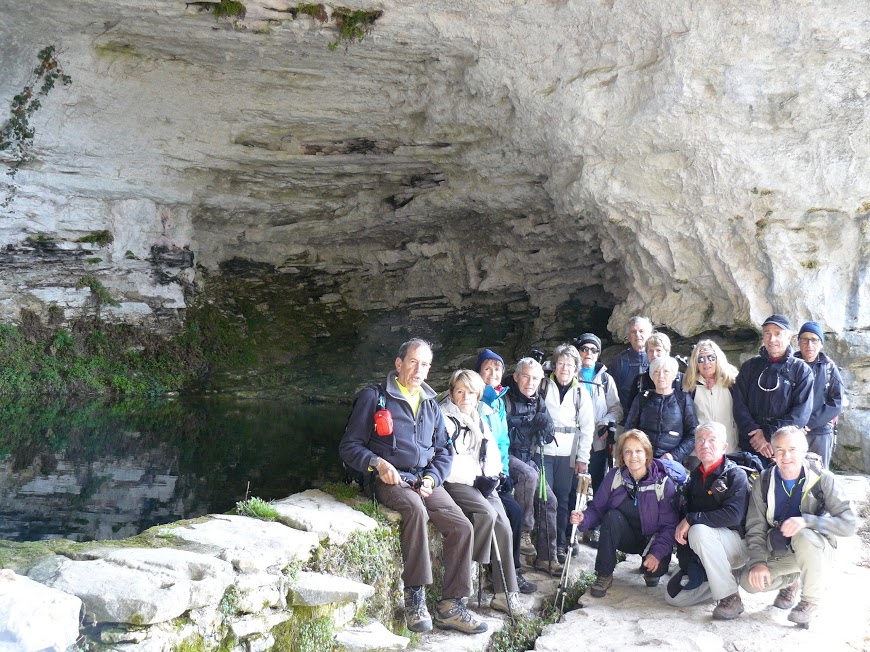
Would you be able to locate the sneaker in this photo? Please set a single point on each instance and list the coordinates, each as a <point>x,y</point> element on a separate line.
<point>451,613</point>
<point>803,613</point>
<point>788,597</point>
<point>600,585</point>
<point>554,568</point>
<point>526,587</point>
<point>562,555</point>
<point>500,603</point>
<point>526,547</point>
<point>728,608</point>
<point>416,614</point>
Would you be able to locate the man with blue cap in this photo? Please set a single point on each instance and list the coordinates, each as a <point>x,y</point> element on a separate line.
<point>827,398</point>
<point>774,389</point>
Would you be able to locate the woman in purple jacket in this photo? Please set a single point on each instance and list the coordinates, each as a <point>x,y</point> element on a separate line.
<point>635,509</point>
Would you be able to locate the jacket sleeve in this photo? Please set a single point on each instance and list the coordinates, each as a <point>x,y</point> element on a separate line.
<point>801,399</point>
<point>439,466</point>
<point>838,518</point>
<point>614,407</point>
<point>742,417</point>
<point>833,400</point>
<point>595,510</point>
<point>633,417</point>
<point>690,422</point>
<point>586,426</point>
<point>756,523</point>
<point>732,511</point>
<point>663,541</point>
<point>353,448</point>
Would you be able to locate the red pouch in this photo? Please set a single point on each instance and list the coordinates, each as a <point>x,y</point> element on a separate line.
<point>383,423</point>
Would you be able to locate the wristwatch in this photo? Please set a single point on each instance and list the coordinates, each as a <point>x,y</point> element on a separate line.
<point>374,460</point>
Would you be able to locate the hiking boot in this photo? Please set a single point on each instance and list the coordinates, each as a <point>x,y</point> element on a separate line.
<point>651,580</point>
<point>728,608</point>
<point>803,613</point>
<point>416,614</point>
<point>788,597</point>
<point>600,585</point>
<point>451,613</point>
<point>554,568</point>
<point>526,547</point>
<point>562,555</point>
<point>500,603</point>
<point>526,586</point>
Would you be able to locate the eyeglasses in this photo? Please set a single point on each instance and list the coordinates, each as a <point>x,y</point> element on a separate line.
<point>706,358</point>
<point>815,341</point>
<point>588,349</point>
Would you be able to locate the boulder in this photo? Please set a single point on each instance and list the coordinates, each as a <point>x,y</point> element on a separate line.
<point>315,589</point>
<point>36,617</point>
<point>373,636</point>
<point>138,586</point>
<point>249,544</point>
<point>318,512</point>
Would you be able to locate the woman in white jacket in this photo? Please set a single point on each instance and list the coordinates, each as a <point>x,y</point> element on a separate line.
<point>472,484</point>
<point>709,379</point>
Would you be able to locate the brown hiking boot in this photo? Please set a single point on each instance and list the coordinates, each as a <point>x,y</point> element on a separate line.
<point>728,608</point>
<point>526,546</point>
<point>803,613</point>
<point>788,597</point>
<point>600,585</point>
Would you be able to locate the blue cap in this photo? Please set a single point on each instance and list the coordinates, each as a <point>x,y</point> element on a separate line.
<point>813,327</point>
<point>778,320</point>
<point>485,355</point>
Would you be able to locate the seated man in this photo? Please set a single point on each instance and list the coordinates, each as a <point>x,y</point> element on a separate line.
<point>709,538</point>
<point>412,458</point>
<point>796,511</point>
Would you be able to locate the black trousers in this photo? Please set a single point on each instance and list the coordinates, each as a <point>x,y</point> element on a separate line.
<point>617,533</point>
<point>515,517</point>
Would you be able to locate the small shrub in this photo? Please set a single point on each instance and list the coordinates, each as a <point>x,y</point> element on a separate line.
<point>353,25</point>
<point>315,10</point>
<point>256,508</point>
<point>229,8</point>
<point>99,238</point>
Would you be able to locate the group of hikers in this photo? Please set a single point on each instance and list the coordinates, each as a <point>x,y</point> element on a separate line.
<point>729,469</point>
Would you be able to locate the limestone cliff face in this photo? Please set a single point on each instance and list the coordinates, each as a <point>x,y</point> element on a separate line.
<point>704,163</point>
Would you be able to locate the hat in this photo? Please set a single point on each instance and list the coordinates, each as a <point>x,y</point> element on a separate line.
<point>485,355</point>
<point>813,327</point>
<point>778,320</point>
<point>588,338</point>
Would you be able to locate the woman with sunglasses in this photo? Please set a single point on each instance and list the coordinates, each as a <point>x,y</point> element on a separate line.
<point>709,380</point>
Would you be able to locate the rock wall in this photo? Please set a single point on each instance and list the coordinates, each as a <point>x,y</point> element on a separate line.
<point>698,162</point>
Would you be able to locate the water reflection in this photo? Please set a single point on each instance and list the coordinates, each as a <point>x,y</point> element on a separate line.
<point>100,470</point>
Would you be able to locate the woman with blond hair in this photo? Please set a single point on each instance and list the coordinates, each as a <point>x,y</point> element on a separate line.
<point>709,380</point>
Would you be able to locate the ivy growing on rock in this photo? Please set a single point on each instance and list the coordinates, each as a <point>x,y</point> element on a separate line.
<point>16,136</point>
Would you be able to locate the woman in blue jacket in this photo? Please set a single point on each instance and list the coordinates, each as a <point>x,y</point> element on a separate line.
<point>635,509</point>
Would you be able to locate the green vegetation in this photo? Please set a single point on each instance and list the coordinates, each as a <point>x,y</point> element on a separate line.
<point>257,508</point>
<point>229,604</point>
<point>99,294</point>
<point>311,629</point>
<point>315,10</point>
<point>16,135</point>
<point>229,8</point>
<point>812,263</point>
<point>342,491</point>
<point>99,238</point>
<point>353,25</point>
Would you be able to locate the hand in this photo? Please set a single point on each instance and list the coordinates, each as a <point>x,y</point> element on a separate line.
<point>576,518</point>
<point>387,472</point>
<point>580,467</point>
<point>651,563</point>
<point>682,532</point>
<point>425,489</point>
<point>759,577</point>
<point>760,444</point>
<point>792,526</point>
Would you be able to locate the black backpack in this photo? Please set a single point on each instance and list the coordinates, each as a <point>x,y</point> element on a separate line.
<point>364,479</point>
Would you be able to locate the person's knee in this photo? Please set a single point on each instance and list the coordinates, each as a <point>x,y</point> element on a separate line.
<point>700,536</point>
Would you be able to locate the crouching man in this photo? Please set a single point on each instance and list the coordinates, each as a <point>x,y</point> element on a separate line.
<point>796,511</point>
<point>710,537</point>
<point>410,453</point>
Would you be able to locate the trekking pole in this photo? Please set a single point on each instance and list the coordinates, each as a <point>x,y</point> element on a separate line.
<point>503,579</point>
<point>542,497</point>
<point>479,584</point>
<point>583,482</point>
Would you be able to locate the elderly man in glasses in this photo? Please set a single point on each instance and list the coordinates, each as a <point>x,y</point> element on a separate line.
<point>827,398</point>
<point>774,389</point>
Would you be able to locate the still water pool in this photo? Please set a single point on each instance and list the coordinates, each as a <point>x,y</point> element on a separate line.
<point>98,470</point>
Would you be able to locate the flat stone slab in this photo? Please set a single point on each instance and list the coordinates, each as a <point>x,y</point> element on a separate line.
<point>139,586</point>
<point>314,589</point>
<point>249,544</point>
<point>36,617</point>
<point>318,512</point>
<point>373,636</point>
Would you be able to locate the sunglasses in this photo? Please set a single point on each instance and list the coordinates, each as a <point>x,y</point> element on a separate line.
<point>706,358</point>
<point>588,349</point>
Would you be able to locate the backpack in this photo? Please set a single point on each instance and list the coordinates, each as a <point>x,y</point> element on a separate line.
<point>678,475</point>
<point>815,463</point>
<point>351,475</point>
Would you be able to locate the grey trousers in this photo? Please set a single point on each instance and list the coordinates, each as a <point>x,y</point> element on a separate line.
<point>492,532</point>
<point>448,519</point>
<point>721,551</point>
<point>526,478</point>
